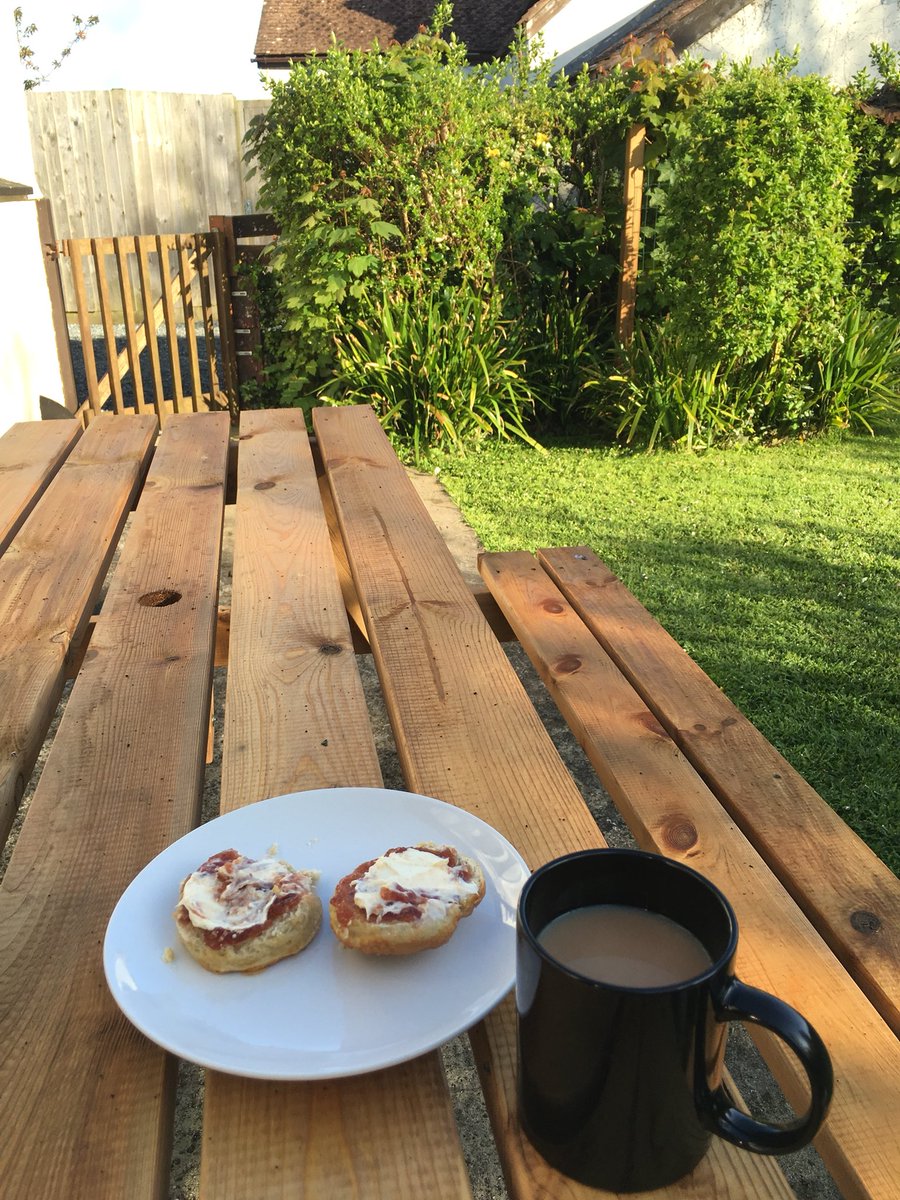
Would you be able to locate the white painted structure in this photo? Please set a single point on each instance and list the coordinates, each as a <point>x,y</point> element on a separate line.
<point>575,26</point>
<point>29,367</point>
<point>834,36</point>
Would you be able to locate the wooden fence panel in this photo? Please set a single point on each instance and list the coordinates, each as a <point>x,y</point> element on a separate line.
<point>123,162</point>
<point>129,162</point>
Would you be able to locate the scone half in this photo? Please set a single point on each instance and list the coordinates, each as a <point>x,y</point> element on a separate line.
<point>241,914</point>
<point>409,899</point>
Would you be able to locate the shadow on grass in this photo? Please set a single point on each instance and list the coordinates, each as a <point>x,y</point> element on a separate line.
<point>822,685</point>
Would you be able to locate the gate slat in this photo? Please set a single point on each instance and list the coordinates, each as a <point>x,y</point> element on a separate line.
<point>203,253</point>
<point>185,281</point>
<point>132,348</point>
<point>75,248</point>
<point>163,245</point>
<point>98,250</point>
<point>141,245</point>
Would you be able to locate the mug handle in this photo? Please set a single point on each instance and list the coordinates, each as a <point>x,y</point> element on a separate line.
<point>738,1001</point>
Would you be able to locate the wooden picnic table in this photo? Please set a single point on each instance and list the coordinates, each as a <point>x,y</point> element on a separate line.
<point>332,548</point>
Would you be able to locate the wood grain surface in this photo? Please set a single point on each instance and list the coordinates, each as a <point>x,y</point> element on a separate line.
<point>468,734</point>
<point>85,1100</point>
<point>847,892</point>
<point>50,576</point>
<point>31,452</point>
<point>296,718</point>
<point>670,809</point>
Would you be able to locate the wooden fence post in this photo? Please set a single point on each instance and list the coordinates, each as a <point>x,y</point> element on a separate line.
<point>245,333</point>
<point>47,234</point>
<point>631,232</point>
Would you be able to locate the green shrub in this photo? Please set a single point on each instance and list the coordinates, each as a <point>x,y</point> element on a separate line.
<point>437,368</point>
<point>752,202</point>
<point>398,169</point>
<point>873,269</point>
<point>450,237</point>
<point>564,356</point>
<point>663,392</point>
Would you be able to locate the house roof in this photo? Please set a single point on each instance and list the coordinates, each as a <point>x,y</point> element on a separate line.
<point>685,22</point>
<point>291,29</point>
<point>885,104</point>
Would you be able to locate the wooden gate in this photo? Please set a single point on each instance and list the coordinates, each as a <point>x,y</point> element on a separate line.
<point>153,294</point>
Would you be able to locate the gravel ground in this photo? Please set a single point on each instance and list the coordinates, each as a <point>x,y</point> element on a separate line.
<point>98,343</point>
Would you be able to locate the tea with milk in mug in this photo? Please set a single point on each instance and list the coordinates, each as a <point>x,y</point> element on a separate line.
<point>624,946</point>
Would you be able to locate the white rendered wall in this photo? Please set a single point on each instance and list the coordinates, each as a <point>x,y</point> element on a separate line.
<point>582,23</point>
<point>29,367</point>
<point>834,36</point>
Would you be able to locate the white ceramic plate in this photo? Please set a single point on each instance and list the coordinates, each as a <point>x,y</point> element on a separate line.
<point>328,1011</point>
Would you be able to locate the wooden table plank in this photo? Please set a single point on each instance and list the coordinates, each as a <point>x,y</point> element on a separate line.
<point>465,729</point>
<point>50,577</point>
<point>295,714</point>
<point>85,1100</point>
<point>31,452</point>
<point>296,718</point>
<point>850,896</point>
<point>468,734</point>
<point>669,809</point>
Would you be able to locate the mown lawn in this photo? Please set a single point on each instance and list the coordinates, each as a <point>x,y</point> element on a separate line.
<point>777,568</point>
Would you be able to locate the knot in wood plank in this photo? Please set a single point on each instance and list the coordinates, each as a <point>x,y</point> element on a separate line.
<point>865,922</point>
<point>650,723</point>
<point>679,833</point>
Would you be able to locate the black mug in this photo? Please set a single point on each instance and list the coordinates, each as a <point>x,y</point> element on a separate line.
<point>620,1087</point>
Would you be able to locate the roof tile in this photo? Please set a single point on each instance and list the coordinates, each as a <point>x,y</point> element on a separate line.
<point>294,28</point>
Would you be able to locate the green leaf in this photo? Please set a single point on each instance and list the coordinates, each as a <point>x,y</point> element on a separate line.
<point>360,263</point>
<point>385,229</point>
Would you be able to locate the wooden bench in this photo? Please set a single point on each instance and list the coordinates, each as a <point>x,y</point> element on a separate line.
<point>87,1103</point>
<point>673,753</point>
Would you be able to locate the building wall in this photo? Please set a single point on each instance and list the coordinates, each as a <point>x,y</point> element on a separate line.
<point>579,24</point>
<point>834,36</point>
<point>29,367</point>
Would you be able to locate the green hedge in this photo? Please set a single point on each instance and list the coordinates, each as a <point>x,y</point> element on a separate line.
<point>408,186</point>
<point>753,204</point>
